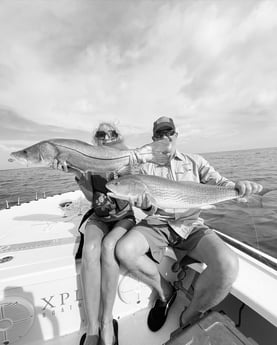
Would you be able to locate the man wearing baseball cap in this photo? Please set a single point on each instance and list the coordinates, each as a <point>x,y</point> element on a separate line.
<point>144,245</point>
<point>163,124</point>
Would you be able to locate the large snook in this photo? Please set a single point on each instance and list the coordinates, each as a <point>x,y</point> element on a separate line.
<point>86,157</point>
<point>166,193</point>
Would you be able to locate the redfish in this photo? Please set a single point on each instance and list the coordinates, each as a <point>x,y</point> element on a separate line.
<point>166,193</point>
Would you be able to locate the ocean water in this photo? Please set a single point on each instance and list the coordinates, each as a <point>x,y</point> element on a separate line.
<point>253,222</point>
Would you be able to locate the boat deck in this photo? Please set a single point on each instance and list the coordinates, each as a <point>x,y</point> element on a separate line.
<point>40,281</point>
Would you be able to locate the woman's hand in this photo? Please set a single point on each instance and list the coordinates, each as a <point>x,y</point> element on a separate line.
<point>59,164</point>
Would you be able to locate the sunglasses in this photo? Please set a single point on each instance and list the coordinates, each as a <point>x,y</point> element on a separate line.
<point>164,133</point>
<point>102,134</point>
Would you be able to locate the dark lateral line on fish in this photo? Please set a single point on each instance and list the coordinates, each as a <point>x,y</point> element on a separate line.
<point>86,155</point>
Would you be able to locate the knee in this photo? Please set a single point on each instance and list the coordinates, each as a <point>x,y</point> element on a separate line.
<point>125,252</point>
<point>228,268</point>
<point>91,251</point>
<point>108,248</point>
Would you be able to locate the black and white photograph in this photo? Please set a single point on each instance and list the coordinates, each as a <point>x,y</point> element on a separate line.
<point>138,172</point>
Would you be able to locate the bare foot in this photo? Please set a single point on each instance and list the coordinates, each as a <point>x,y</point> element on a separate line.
<point>107,334</point>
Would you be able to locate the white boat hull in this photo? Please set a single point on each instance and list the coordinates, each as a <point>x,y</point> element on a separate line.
<point>40,291</point>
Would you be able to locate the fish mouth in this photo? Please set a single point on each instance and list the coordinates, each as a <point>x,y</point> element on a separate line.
<point>111,192</point>
<point>118,196</point>
<point>14,158</point>
<point>114,193</point>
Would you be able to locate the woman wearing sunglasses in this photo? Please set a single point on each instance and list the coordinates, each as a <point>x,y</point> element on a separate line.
<point>110,220</point>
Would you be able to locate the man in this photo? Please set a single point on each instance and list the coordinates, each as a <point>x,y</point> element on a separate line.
<point>144,245</point>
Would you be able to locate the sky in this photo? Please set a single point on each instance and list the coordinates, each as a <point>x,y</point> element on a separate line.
<point>67,65</point>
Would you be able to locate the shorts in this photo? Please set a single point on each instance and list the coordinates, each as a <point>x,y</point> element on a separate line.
<point>97,220</point>
<point>110,224</point>
<point>160,235</point>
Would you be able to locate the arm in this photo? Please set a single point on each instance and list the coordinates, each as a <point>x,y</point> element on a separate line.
<point>156,152</point>
<point>209,175</point>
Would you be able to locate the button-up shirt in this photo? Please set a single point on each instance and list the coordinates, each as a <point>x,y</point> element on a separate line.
<point>184,167</point>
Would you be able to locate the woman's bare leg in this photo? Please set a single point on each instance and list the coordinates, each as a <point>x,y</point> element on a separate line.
<point>91,277</point>
<point>109,278</point>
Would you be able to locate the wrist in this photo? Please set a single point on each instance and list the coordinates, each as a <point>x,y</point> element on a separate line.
<point>150,210</point>
<point>147,209</point>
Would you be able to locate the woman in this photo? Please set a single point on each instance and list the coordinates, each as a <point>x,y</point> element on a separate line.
<point>110,220</point>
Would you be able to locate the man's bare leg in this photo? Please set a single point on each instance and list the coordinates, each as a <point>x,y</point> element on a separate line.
<point>131,252</point>
<point>215,282</point>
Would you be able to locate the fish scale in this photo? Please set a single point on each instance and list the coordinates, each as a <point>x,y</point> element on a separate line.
<point>86,157</point>
<point>166,193</point>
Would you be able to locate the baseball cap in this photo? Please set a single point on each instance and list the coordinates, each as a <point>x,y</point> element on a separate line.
<point>163,123</point>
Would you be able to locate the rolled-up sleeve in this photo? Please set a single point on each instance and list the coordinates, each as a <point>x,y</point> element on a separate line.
<point>209,175</point>
<point>136,158</point>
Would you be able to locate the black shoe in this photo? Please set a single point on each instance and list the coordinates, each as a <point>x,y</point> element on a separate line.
<point>115,331</point>
<point>158,314</point>
<point>83,338</point>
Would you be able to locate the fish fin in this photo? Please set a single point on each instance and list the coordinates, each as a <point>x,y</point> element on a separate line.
<point>243,199</point>
<point>207,207</point>
<point>124,170</point>
<point>152,200</point>
<point>73,169</point>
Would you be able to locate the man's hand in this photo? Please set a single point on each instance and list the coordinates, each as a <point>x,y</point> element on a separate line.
<point>245,188</point>
<point>157,152</point>
<point>142,201</point>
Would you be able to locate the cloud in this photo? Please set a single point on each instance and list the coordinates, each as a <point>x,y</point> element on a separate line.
<point>20,132</point>
<point>230,55</point>
<point>67,65</point>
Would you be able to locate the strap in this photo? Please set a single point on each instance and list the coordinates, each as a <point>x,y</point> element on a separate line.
<point>81,243</point>
<point>85,217</point>
<point>78,254</point>
<point>98,184</point>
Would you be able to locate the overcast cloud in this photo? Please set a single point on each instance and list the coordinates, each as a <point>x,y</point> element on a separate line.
<point>211,65</point>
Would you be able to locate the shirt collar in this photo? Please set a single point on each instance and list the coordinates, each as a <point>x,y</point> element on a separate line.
<point>178,156</point>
